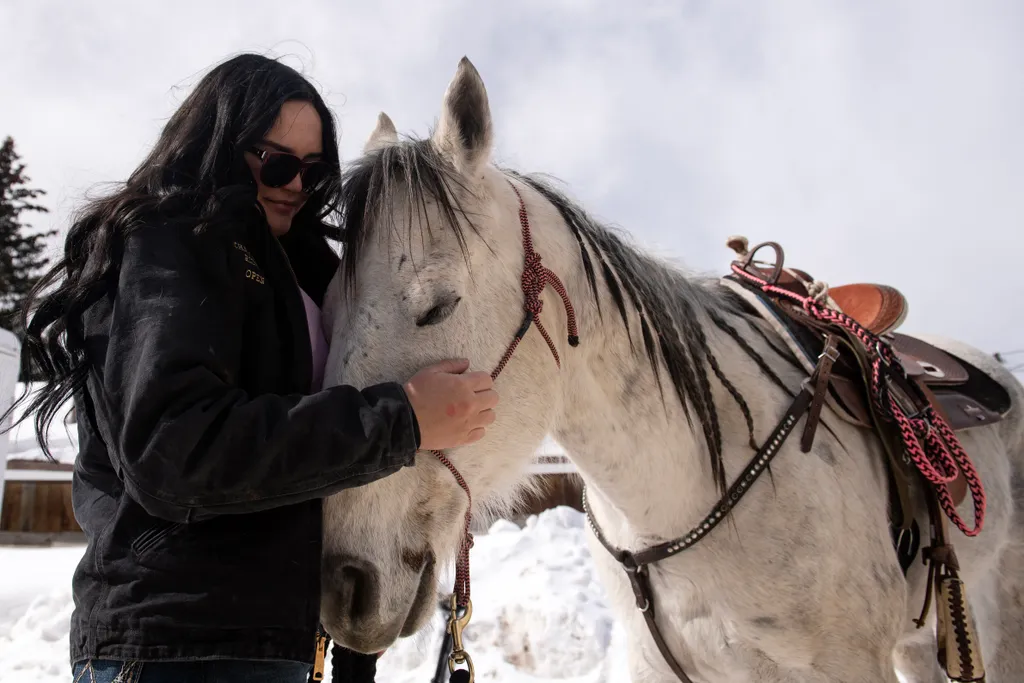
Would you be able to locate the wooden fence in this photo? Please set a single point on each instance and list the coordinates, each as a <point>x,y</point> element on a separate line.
<point>37,508</point>
<point>37,504</point>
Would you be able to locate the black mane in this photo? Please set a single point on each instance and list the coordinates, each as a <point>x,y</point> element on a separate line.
<point>672,309</point>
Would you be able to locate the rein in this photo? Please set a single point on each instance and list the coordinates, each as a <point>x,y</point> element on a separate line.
<point>534,279</point>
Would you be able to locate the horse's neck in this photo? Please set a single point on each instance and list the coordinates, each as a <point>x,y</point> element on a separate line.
<point>646,466</point>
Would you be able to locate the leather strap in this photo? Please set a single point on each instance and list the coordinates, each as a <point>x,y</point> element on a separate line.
<point>822,375</point>
<point>635,564</point>
<point>638,579</point>
<point>958,487</point>
<point>958,652</point>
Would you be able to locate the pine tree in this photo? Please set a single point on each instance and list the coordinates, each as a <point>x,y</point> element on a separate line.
<point>21,248</point>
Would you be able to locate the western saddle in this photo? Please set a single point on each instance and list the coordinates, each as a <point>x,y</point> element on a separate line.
<point>964,395</point>
<point>859,365</point>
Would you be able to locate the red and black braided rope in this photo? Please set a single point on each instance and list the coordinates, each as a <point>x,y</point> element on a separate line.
<point>534,279</point>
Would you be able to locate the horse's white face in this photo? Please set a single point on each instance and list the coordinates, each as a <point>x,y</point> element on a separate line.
<point>417,298</point>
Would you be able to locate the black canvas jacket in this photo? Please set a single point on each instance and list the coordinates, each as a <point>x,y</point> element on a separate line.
<point>203,454</point>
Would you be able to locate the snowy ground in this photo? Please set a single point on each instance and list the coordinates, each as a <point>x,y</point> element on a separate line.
<point>539,613</point>
<point>35,606</point>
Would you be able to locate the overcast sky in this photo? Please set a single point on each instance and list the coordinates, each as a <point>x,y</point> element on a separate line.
<point>878,141</point>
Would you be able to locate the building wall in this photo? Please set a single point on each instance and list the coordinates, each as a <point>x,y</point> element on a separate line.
<point>556,490</point>
<point>38,507</point>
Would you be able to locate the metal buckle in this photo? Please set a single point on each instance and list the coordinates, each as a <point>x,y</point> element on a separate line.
<point>833,356</point>
<point>635,571</point>
<point>904,394</point>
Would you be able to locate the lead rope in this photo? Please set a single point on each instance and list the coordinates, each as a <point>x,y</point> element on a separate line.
<point>533,281</point>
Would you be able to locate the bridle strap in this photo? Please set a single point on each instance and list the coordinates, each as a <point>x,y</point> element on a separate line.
<point>755,468</point>
<point>533,281</point>
<point>635,564</point>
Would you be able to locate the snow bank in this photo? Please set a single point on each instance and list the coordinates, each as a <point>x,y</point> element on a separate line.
<point>35,609</point>
<point>539,613</point>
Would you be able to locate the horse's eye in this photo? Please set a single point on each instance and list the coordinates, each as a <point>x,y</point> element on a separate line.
<point>440,312</point>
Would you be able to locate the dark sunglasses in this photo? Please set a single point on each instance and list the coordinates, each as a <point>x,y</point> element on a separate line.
<point>277,169</point>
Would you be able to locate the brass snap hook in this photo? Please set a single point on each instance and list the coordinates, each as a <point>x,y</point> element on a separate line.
<point>459,656</point>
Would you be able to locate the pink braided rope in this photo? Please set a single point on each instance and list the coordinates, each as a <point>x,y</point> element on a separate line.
<point>940,458</point>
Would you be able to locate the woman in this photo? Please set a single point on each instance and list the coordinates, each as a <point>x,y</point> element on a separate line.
<point>185,325</point>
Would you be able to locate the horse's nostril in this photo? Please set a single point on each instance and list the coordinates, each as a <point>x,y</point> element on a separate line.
<point>356,586</point>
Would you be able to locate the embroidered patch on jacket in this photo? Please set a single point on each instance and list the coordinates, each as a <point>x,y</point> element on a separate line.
<point>251,273</point>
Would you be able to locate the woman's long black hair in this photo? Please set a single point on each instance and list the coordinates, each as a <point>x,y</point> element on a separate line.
<point>195,176</point>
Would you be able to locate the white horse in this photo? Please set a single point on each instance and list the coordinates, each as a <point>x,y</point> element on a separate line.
<point>657,406</point>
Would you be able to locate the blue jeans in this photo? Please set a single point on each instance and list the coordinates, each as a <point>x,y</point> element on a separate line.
<point>216,671</point>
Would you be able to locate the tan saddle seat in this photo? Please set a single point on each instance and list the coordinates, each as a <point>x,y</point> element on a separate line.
<point>879,308</point>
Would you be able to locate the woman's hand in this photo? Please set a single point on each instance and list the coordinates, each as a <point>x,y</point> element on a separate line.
<point>453,407</point>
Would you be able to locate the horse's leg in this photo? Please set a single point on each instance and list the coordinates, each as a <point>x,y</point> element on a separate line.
<point>641,669</point>
<point>856,667</point>
<point>916,659</point>
<point>855,645</point>
<point>1003,638</point>
<point>915,655</point>
<point>860,667</point>
<point>996,595</point>
<point>997,601</point>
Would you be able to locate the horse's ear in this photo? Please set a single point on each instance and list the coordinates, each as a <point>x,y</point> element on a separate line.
<point>383,135</point>
<point>464,132</point>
